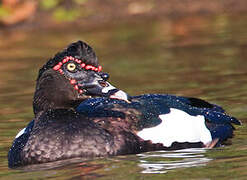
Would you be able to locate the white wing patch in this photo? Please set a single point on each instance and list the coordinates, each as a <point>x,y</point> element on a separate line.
<point>20,133</point>
<point>177,126</point>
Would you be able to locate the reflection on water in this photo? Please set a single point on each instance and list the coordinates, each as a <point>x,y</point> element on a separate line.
<point>161,162</point>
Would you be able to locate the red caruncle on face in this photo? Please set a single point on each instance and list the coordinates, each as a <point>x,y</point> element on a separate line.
<point>73,82</point>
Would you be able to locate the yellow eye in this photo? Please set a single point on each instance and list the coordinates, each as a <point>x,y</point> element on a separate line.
<point>71,67</point>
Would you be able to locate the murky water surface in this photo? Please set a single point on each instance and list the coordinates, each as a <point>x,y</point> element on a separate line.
<point>203,57</point>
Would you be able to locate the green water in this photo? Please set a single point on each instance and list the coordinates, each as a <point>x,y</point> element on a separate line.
<point>203,57</point>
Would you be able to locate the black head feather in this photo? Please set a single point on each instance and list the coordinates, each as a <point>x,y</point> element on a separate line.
<point>79,50</point>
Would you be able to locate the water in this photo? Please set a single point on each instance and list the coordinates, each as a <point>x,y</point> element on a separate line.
<point>202,56</point>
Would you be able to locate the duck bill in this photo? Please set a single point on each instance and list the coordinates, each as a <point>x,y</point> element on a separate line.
<point>121,95</point>
<point>114,93</point>
<point>104,89</point>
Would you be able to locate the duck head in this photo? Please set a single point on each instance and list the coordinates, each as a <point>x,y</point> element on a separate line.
<point>70,77</point>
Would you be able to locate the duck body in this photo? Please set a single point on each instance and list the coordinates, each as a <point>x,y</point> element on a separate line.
<point>101,127</point>
<point>78,113</point>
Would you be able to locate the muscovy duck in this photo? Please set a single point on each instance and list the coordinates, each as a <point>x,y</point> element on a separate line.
<point>78,113</point>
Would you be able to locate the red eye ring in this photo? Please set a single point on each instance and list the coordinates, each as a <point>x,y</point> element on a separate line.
<point>79,61</point>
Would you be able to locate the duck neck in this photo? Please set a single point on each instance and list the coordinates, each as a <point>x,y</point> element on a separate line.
<point>43,103</point>
<point>54,92</point>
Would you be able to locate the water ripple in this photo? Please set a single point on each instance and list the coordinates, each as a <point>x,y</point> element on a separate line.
<point>163,161</point>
